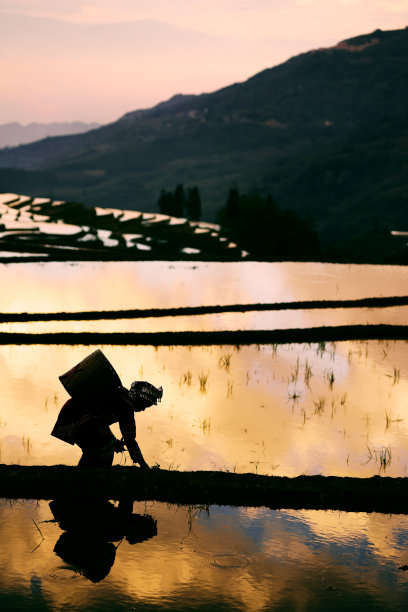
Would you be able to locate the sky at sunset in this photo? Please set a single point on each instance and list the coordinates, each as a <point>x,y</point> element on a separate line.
<point>70,60</point>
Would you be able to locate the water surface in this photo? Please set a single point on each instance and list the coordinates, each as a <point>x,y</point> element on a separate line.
<point>219,558</point>
<point>55,287</point>
<point>335,409</point>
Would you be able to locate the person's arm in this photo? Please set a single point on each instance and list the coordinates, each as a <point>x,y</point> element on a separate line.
<point>127,427</point>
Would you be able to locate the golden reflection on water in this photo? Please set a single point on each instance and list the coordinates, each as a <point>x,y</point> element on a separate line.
<point>242,558</point>
<point>284,319</point>
<point>287,410</point>
<point>55,287</point>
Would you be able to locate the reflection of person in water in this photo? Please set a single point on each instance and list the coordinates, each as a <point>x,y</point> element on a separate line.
<point>86,421</point>
<point>90,528</point>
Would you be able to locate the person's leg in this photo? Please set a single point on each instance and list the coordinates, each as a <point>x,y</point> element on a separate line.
<point>97,457</point>
<point>98,448</point>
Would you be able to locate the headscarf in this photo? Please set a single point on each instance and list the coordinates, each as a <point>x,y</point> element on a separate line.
<point>145,391</point>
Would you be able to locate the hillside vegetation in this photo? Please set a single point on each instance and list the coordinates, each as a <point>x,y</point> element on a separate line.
<point>325,134</point>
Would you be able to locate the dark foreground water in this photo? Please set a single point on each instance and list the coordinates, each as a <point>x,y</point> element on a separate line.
<point>186,558</point>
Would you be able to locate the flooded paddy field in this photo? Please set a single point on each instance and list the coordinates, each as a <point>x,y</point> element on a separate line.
<point>332,409</point>
<point>329,408</point>
<point>198,558</point>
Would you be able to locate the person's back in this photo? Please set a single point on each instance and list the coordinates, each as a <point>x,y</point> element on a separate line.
<point>86,421</point>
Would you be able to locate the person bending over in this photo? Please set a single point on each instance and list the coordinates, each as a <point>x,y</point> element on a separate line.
<point>86,421</point>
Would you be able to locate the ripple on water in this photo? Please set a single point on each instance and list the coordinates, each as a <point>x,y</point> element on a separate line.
<point>64,573</point>
<point>229,561</point>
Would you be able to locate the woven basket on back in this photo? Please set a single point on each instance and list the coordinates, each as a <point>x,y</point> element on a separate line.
<point>91,376</point>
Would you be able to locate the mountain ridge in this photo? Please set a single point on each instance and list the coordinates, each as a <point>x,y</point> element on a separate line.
<point>271,133</point>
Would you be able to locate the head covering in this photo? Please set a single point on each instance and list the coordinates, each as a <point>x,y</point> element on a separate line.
<point>141,390</point>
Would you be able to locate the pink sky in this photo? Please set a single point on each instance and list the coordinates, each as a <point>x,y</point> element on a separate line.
<point>90,60</point>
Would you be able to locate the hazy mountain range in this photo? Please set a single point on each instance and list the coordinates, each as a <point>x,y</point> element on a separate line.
<point>326,133</point>
<point>13,134</point>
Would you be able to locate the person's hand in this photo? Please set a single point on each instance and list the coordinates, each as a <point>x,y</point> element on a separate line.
<point>119,446</point>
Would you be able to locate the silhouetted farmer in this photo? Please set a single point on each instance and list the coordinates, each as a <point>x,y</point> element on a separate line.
<point>86,421</point>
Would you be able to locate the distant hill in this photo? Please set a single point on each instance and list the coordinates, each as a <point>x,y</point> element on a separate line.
<point>325,133</point>
<point>40,229</point>
<point>14,134</point>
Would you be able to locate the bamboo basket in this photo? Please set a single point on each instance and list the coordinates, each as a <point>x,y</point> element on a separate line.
<point>91,376</point>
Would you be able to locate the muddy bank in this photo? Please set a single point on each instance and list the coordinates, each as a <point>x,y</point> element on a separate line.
<point>141,313</point>
<point>377,494</point>
<point>199,338</point>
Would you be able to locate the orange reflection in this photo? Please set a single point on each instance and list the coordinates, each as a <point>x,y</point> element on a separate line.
<point>284,319</point>
<point>287,410</point>
<point>55,287</point>
<point>250,559</point>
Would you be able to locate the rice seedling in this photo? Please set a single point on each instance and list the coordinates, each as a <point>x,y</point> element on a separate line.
<point>274,349</point>
<point>321,348</point>
<point>229,388</point>
<point>123,458</point>
<point>234,468</point>
<point>41,534</point>
<point>206,425</point>
<point>27,444</point>
<point>370,455</point>
<point>192,513</point>
<point>294,396</point>
<point>186,378</point>
<point>383,457</point>
<point>333,408</point>
<point>343,399</point>
<point>224,361</point>
<point>330,378</point>
<point>255,463</point>
<point>389,420</point>
<point>396,376</point>
<point>203,378</point>
<point>308,373</point>
<point>169,442</point>
<point>295,374</point>
<point>320,406</point>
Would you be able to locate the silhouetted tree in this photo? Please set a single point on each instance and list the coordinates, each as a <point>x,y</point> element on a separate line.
<point>232,205</point>
<point>193,204</point>
<point>262,228</point>
<point>179,201</point>
<point>165,203</point>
